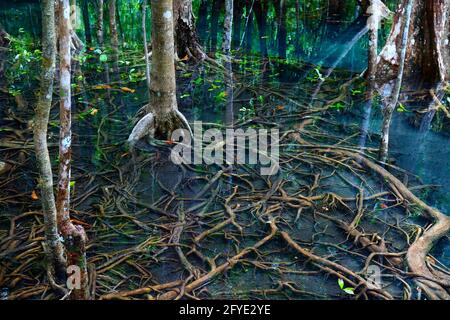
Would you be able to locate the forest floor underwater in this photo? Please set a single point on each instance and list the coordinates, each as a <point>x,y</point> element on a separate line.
<point>158,230</point>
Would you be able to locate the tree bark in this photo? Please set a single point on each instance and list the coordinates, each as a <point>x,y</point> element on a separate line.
<point>87,22</point>
<point>373,24</point>
<point>162,116</point>
<point>113,34</point>
<point>237,17</point>
<point>203,20</point>
<point>144,36</point>
<point>280,9</point>
<point>215,13</point>
<point>55,249</point>
<point>185,33</point>
<point>298,43</point>
<point>74,236</point>
<point>4,46</point>
<point>100,39</point>
<point>228,26</point>
<point>261,19</point>
<point>163,100</point>
<point>428,54</point>
<point>376,11</point>
<point>392,102</point>
<point>249,26</point>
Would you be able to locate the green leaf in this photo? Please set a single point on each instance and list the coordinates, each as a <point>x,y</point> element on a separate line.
<point>198,81</point>
<point>341,283</point>
<point>349,290</point>
<point>103,57</point>
<point>338,106</point>
<point>221,96</point>
<point>401,108</point>
<point>72,184</point>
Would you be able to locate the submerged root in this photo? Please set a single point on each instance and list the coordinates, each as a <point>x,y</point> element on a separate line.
<point>431,281</point>
<point>154,241</point>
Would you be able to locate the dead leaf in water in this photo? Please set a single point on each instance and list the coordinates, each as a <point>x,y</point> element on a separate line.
<point>34,195</point>
<point>126,89</point>
<point>102,87</point>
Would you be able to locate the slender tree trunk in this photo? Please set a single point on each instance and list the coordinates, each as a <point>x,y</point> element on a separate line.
<point>144,35</point>
<point>428,53</point>
<point>261,19</point>
<point>228,26</point>
<point>113,34</point>
<point>162,116</point>
<point>77,44</point>
<point>100,34</point>
<point>298,44</point>
<point>163,99</point>
<point>373,24</point>
<point>4,44</point>
<point>281,30</point>
<point>74,236</point>
<point>375,12</point>
<point>54,250</point>
<point>87,22</point>
<point>121,32</point>
<point>249,26</point>
<point>237,22</point>
<point>203,20</point>
<point>215,13</point>
<point>185,33</point>
<point>392,103</point>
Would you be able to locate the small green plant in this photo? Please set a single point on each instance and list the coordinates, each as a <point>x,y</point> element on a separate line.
<point>24,61</point>
<point>198,81</point>
<point>338,106</point>
<point>401,108</point>
<point>103,57</point>
<point>350,291</point>
<point>221,96</point>
<point>246,113</point>
<point>356,92</point>
<point>90,112</point>
<point>135,75</point>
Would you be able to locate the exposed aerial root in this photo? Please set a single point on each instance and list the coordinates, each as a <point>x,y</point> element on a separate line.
<point>148,125</point>
<point>144,127</point>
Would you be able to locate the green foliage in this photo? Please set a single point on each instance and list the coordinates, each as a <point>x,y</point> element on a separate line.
<point>221,96</point>
<point>135,75</point>
<point>90,112</point>
<point>350,291</point>
<point>401,108</point>
<point>339,106</point>
<point>246,113</point>
<point>103,57</point>
<point>24,63</point>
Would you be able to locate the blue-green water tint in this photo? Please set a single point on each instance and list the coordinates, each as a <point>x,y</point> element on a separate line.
<point>424,153</point>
